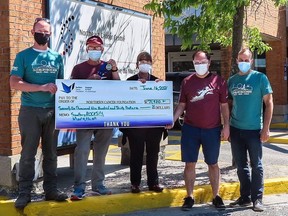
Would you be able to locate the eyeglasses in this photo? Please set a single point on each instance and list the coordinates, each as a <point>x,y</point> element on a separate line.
<point>198,63</point>
<point>40,19</point>
<point>243,60</point>
<point>94,48</point>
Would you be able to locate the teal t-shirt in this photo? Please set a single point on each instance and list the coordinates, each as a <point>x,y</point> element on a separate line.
<point>38,68</point>
<point>247,92</point>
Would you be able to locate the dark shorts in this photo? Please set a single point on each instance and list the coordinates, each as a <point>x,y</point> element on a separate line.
<point>191,140</point>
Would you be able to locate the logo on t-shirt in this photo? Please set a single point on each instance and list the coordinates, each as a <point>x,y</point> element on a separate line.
<point>14,68</point>
<point>201,94</point>
<point>43,67</point>
<point>241,89</point>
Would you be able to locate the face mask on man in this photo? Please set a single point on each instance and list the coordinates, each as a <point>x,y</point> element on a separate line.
<point>94,55</point>
<point>244,67</point>
<point>146,68</point>
<point>41,38</point>
<point>201,69</point>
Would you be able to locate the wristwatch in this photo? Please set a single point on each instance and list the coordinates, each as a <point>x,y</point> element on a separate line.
<point>115,69</point>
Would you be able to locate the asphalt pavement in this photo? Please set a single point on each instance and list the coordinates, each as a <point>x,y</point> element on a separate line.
<point>275,205</point>
<point>122,202</point>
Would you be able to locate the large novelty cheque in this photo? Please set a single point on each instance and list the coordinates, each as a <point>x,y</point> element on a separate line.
<point>98,104</point>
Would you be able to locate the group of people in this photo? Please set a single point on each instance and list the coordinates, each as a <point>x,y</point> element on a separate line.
<point>34,73</point>
<point>205,98</point>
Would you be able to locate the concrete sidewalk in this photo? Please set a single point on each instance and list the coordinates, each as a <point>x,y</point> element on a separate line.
<point>171,177</point>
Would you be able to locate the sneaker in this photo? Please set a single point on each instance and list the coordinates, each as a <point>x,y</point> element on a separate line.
<point>78,194</point>
<point>188,203</point>
<point>135,189</point>
<point>218,202</point>
<point>101,189</point>
<point>56,195</point>
<point>258,206</point>
<point>22,200</point>
<point>241,201</point>
<point>156,188</point>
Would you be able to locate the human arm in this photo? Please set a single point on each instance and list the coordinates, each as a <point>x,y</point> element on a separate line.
<point>148,77</point>
<point>94,77</point>
<point>158,80</point>
<point>268,101</point>
<point>224,107</point>
<point>115,74</point>
<point>61,68</point>
<point>18,83</point>
<point>177,113</point>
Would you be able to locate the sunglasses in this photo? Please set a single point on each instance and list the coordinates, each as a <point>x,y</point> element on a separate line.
<point>40,19</point>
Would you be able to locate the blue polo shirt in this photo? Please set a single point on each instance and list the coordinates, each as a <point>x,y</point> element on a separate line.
<point>38,68</point>
<point>247,92</point>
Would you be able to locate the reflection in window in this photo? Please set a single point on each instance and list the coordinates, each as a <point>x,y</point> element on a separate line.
<point>260,62</point>
<point>180,66</point>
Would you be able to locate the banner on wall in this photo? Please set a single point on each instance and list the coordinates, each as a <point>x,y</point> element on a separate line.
<point>125,33</point>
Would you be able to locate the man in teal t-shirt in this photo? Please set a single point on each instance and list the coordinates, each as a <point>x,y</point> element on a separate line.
<point>248,130</point>
<point>34,73</point>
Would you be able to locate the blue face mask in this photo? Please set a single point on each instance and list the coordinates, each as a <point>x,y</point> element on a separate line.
<point>94,55</point>
<point>244,67</point>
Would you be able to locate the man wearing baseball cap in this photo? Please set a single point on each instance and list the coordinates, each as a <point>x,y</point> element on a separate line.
<point>93,68</point>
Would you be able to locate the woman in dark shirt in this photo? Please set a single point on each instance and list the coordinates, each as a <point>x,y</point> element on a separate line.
<point>139,137</point>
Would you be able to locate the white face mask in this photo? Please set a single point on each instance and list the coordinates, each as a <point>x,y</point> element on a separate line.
<point>201,69</point>
<point>146,68</point>
<point>94,55</point>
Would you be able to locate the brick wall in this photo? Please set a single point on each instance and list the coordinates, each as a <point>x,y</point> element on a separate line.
<point>16,20</point>
<point>272,24</point>
<point>275,72</point>
<point>265,16</point>
<point>276,59</point>
<point>4,77</point>
<point>20,21</point>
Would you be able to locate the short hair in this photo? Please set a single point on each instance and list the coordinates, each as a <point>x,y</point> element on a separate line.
<point>144,56</point>
<point>38,19</point>
<point>244,50</point>
<point>94,39</point>
<point>208,56</point>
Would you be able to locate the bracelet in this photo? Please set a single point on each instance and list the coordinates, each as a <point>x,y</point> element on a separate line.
<point>115,69</point>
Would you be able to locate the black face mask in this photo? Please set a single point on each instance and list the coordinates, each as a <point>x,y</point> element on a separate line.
<point>41,38</point>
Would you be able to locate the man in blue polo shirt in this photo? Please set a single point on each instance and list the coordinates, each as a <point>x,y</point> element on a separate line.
<point>249,89</point>
<point>34,73</point>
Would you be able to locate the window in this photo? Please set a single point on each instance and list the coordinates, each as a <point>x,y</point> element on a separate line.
<point>260,62</point>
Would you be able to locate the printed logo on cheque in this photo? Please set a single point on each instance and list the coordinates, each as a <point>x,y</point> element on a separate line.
<point>67,89</point>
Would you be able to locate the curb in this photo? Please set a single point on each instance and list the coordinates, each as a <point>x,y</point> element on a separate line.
<point>117,204</point>
<point>282,136</point>
<point>278,140</point>
<point>279,126</point>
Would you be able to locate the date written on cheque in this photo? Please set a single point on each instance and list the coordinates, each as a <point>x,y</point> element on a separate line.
<point>157,88</point>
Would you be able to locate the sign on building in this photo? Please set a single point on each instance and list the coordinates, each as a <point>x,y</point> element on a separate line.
<point>125,33</point>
